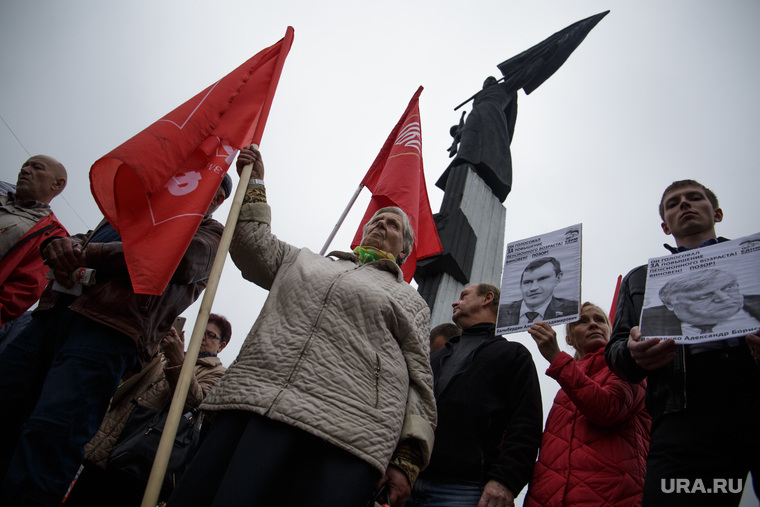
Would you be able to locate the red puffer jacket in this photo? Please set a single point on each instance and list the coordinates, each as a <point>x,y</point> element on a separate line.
<point>594,447</point>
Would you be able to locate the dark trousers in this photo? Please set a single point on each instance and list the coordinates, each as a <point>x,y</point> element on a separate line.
<point>96,487</point>
<point>701,455</point>
<point>250,460</point>
<point>56,380</point>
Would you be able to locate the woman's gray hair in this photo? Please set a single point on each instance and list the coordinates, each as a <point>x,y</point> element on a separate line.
<point>408,231</point>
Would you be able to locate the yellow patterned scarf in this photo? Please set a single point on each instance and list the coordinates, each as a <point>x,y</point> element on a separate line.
<point>368,254</point>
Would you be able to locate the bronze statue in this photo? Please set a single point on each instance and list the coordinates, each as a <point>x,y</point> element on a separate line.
<point>482,139</point>
<point>485,137</point>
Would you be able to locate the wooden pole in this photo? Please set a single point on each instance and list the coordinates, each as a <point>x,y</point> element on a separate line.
<point>153,489</point>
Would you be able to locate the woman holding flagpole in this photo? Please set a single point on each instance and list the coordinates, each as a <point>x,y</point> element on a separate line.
<point>331,395</point>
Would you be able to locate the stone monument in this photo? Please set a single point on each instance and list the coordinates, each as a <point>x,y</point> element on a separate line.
<point>472,218</point>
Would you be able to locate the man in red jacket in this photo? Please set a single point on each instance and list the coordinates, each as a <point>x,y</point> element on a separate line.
<point>25,221</point>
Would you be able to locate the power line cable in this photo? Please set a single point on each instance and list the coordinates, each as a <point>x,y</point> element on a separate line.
<point>14,135</point>
<point>29,155</point>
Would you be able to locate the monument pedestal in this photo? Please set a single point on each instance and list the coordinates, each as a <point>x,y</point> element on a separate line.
<point>469,211</point>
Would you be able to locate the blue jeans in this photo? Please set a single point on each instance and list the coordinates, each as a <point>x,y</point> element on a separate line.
<point>428,493</point>
<point>57,379</point>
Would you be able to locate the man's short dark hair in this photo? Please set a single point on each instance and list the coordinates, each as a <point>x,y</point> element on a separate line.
<point>448,330</point>
<point>688,183</point>
<point>485,288</point>
<point>223,324</point>
<point>534,265</point>
<point>226,185</point>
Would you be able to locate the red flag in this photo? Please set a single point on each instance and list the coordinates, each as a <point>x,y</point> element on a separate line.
<point>155,188</point>
<point>613,308</point>
<point>397,178</point>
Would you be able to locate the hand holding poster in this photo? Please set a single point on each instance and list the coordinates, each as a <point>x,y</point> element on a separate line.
<point>541,281</point>
<point>703,295</point>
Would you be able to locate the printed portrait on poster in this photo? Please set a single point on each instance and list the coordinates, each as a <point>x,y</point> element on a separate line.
<point>541,280</point>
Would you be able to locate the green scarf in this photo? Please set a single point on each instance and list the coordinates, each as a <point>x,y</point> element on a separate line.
<point>368,254</point>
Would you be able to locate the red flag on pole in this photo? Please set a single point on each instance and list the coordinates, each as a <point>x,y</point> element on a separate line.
<point>155,188</point>
<point>397,178</point>
<point>613,307</point>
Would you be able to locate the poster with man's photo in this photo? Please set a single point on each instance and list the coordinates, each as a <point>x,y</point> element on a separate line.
<point>707,294</point>
<point>541,281</point>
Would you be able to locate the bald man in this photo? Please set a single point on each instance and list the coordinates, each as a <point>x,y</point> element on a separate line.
<point>25,221</point>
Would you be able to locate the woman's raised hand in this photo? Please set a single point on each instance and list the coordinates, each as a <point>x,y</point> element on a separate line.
<point>251,155</point>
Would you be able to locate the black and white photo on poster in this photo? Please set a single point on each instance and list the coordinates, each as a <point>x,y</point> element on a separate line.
<point>541,280</point>
<point>703,295</point>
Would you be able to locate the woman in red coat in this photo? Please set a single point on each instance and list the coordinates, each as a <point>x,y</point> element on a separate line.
<point>596,439</point>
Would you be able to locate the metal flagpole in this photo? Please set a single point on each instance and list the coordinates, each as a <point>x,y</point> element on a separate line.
<point>340,220</point>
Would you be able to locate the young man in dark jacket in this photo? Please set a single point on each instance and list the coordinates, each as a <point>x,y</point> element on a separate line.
<point>704,399</point>
<point>489,411</point>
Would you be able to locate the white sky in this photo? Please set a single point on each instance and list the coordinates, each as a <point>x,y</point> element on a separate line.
<point>658,91</point>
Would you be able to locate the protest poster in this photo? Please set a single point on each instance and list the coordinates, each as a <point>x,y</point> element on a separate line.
<point>707,294</point>
<point>541,281</point>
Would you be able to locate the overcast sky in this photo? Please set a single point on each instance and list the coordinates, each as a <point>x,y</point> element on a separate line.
<point>658,91</point>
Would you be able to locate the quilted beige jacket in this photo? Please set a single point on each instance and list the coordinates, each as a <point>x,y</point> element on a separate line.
<point>339,349</point>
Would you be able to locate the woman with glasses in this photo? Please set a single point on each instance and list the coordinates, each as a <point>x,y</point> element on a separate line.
<point>153,387</point>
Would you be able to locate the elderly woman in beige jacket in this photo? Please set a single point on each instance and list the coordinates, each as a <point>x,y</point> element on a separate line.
<point>331,394</point>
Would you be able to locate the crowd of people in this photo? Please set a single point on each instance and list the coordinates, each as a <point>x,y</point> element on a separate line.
<point>342,394</point>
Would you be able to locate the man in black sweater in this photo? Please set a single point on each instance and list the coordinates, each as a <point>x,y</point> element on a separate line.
<point>489,411</point>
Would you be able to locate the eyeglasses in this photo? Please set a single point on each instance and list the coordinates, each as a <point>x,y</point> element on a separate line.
<point>212,336</point>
